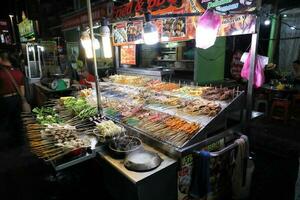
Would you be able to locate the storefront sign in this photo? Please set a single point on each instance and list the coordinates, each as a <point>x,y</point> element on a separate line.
<point>228,5</point>
<point>128,55</point>
<point>134,8</point>
<point>181,28</point>
<point>103,10</point>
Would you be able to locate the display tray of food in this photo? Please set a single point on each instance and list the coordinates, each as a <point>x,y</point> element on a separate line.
<point>67,131</point>
<point>170,113</point>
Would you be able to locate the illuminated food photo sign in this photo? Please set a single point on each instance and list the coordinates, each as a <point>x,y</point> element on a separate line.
<point>228,5</point>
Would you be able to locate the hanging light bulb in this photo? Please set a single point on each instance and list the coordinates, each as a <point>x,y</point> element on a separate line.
<point>86,43</point>
<point>105,38</point>
<point>267,22</point>
<point>207,29</point>
<point>293,27</point>
<point>151,36</point>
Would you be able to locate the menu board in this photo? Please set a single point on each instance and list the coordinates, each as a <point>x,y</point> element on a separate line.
<point>128,56</point>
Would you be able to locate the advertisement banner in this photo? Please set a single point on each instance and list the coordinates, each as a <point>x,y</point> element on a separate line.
<point>128,55</point>
<point>228,5</point>
<point>119,33</point>
<point>181,28</point>
<point>135,31</point>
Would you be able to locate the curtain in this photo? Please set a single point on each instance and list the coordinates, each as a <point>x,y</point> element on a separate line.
<point>289,49</point>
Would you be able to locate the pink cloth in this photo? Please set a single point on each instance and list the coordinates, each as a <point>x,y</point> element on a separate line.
<point>259,75</point>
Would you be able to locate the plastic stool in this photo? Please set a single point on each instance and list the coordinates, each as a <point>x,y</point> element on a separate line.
<point>259,102</point>
<point>280,103</point>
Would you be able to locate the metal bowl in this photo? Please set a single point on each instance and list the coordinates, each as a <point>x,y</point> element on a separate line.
<point>142,161</point>
<point>121,146</point>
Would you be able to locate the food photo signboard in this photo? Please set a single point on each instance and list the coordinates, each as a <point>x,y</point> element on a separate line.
<point>172,29</point>
<point>128,55</point>
<point>135,31</point>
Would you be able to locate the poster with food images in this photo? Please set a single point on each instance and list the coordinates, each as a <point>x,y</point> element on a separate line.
<point>237,25</point>
<point>120,32</point>
<point>128,55</point>
<point>135,31</point>
<point>174,27</point>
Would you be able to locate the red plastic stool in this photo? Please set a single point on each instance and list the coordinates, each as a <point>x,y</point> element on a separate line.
<point>284,104</point>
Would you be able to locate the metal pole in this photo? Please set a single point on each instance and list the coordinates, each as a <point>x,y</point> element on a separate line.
<point>88,2</point>
<point>253,53</point>
<point>13,28</point>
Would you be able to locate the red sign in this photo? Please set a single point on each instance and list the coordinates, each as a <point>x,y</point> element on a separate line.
<point>103,10</point>
<point>132,8</point>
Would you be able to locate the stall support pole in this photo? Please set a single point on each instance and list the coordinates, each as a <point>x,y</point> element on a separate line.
<point>99,107</point>
<point>253,53</point>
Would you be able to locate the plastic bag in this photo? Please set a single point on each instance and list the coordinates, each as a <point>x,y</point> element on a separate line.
<point>259,75</point>
<point>207,29</point>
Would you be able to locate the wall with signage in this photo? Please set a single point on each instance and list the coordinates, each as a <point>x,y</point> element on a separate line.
<point>180,28</point>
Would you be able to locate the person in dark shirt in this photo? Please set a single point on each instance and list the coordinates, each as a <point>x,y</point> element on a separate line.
<point>10,100</point>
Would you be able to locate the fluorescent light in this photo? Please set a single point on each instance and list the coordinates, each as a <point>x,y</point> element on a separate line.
<point>267,22</point>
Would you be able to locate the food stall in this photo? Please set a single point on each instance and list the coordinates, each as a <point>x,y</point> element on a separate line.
<point>152,134</point>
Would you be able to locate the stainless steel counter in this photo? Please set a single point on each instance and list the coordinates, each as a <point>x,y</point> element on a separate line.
<point>153,73</point>
<point>122,184</point>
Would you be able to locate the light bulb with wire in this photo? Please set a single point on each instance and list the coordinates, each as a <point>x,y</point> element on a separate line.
<point>267,22</point>
<point>86,43</point>
<point>293,27</point>
<point>105,38</point>
<point>151,35</point>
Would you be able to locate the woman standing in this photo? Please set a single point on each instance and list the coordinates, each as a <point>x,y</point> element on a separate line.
<point>11,101</point>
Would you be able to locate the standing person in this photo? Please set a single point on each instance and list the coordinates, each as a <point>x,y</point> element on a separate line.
<point>11,100</point>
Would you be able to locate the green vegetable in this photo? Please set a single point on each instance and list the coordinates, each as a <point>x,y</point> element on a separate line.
<point>46,115</point>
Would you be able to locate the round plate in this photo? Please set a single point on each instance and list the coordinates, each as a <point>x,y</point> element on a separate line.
<point>141,161</point>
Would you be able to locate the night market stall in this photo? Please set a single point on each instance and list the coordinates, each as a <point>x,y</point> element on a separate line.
<point>155,139</point>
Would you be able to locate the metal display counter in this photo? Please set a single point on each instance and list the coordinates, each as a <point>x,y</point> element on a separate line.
<point>153,73</point>
<point>210,125</point>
